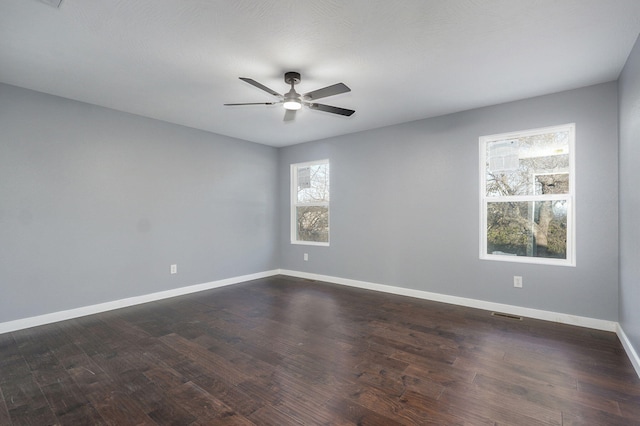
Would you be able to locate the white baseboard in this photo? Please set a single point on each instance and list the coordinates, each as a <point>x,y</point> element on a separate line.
<point>438,297</point>
<point>628,347</point>
<point>562,318</point>
<point>23,323</point>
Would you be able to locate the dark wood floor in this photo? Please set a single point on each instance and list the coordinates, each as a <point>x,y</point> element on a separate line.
<point>282,351</point>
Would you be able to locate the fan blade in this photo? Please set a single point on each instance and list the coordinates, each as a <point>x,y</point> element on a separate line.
<point>289,115</point>
<point>261,86</point>
<point>253,103</point>
<point>336,89</point>
<point>331,109</point>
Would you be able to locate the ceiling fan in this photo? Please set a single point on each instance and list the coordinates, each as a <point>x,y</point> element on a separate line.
<point>293,101</point>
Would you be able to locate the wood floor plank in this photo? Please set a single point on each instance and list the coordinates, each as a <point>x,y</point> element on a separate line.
<point>170,412</point>
<point>476,406</point>
<point>68,401</point>
<point>88,375</point>
<point>270,416</point>
<point>205,407</point>
<point>439,372</point>
<point>232,396</point>
<point>629,410</point>
<point>32,416</point>
<point>287,351</point>
<point>4,411</point>
<point>537,377</point>
<point>307,412</point>
<point>119,408</point>
<point>157,402</point>
<point>225,367</point>
<point>591,417</point>
<point>428,410</point>
<point>425,387</point>
<point>545,396</point>
<point>24,392</point>
<point>358,414</point>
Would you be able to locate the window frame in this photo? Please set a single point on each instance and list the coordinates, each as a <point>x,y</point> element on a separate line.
<point>570,259</point>
<point>295,204</point>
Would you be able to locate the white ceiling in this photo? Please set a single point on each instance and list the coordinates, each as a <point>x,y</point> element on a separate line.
<point>179,60</point>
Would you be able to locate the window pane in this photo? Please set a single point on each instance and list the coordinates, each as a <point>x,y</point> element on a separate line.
<point>533,229</point>
<point>532,165</point>
<point>312,224</point>
<point>313,183</point>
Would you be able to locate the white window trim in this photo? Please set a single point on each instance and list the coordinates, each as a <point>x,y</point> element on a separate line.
<point>294,202</point>
<point>570,197</point>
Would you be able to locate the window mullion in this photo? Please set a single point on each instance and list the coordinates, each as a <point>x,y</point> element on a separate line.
<point>525,198</point>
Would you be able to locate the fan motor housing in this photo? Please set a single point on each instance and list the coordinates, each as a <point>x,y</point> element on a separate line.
<point>292,77</point>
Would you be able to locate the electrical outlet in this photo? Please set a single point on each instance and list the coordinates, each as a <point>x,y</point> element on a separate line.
<point>306,257</point>
<point>517,281</point>
<point>174,269</point>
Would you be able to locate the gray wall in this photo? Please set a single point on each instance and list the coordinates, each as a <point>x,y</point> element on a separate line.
<point>96,204</point>
<point>405,206</point>
<point>629,92</point>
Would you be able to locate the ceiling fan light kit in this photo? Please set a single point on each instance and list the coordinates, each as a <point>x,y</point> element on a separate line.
<point>292,104</point>
<point>292,101</point>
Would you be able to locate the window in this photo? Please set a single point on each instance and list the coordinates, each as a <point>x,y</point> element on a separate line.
<point>527,198</point>
<point>310,203</point>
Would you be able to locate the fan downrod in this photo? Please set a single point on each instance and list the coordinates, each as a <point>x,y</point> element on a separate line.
<point>292,77</point>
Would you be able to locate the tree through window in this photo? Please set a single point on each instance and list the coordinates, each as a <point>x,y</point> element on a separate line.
<point>527,196</point>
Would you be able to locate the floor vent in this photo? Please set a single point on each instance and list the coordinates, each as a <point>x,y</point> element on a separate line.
<point>502,315</point>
